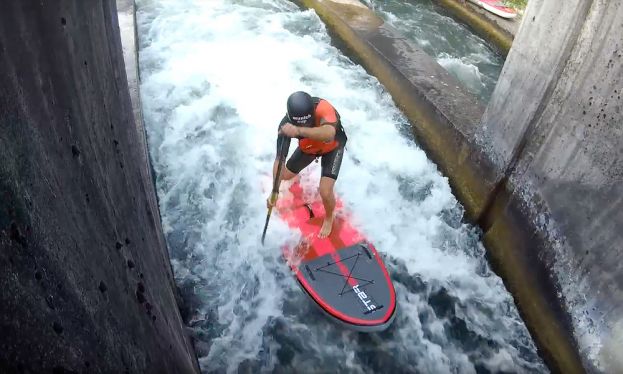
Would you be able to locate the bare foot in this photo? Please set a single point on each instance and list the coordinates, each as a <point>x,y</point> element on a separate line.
<point>327,225</point>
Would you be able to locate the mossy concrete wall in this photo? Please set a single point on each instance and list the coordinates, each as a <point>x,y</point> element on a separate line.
<point>553,130</point>
<point>86,280</point>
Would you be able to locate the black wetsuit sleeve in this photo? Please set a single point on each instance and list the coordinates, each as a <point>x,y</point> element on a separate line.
<point>281,139</point>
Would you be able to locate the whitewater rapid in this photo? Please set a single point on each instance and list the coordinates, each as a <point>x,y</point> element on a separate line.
<point>465,55</point>
<point>214,79</point>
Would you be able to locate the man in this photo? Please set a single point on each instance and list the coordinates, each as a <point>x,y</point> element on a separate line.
<point>317,125</point>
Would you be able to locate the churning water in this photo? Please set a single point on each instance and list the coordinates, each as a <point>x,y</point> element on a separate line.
<point>215,76</point>
<point>466,56</point>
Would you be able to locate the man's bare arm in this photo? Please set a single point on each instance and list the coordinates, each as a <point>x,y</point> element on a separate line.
<point>324,133</point>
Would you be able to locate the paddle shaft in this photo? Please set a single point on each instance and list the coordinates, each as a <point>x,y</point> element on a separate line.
<point>283,151</point>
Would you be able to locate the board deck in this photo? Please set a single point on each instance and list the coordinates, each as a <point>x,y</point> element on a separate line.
<point>343,273</point>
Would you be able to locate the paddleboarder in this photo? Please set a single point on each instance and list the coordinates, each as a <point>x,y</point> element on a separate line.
<point>317,126</point>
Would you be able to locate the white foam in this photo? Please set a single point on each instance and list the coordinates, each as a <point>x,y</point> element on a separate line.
<point>466,72</point>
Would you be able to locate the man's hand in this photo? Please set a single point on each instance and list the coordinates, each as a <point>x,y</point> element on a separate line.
<point>290,130</point>
<point>271,201</point>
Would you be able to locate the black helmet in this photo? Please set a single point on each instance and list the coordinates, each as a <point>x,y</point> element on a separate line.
<point>301,109</point>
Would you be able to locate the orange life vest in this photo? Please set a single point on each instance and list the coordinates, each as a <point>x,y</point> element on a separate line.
<point>323,111</point>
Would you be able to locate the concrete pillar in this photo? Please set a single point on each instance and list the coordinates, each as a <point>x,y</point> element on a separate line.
<point>554,131</point>
<point>86,281</point>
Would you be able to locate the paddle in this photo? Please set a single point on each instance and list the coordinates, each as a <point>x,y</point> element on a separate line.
<point>283,151</point>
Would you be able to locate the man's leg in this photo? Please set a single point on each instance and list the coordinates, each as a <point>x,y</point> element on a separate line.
<point>297,162</point>
<point>291,169</point>
<point>331,163</point>
<point>328,200</point>
<point>286,174</point>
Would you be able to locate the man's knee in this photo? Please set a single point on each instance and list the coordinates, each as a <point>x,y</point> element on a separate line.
<point>286,174</point>
<point>326,190</point>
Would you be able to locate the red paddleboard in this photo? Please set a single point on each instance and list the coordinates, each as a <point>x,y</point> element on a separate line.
<point>343,273</point>
<point>496,7</point>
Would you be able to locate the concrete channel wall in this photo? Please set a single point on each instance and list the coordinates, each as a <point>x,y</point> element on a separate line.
<point>554,131</point>
<point>86,280</point>
<point>540,172</point>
